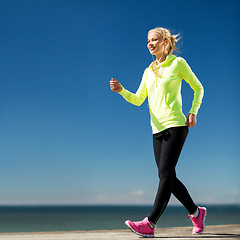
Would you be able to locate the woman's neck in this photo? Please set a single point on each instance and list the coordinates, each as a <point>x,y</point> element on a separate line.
<point>161,58</point>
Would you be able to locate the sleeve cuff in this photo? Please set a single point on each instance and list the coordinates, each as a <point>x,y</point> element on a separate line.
<point>123,91</point>
<point>194,110</point>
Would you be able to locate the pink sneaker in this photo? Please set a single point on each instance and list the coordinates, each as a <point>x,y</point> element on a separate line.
<point>141,228</point>
<point>198,222</point>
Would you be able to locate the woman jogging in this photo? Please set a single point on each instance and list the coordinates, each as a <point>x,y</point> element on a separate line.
<point>161,83</point>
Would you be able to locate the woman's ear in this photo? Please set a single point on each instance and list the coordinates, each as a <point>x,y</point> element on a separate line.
<point>166,42</point>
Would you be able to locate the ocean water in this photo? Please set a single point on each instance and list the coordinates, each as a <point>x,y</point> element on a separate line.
<point>71,218</point>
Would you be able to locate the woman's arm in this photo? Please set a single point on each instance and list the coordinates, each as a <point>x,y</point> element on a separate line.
<point>137,98</point>
<point>188,75</point>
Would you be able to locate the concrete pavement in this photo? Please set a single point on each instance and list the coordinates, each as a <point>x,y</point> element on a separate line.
<point>178,233</point>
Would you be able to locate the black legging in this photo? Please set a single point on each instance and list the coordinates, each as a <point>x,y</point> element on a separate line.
<point>167,149</point>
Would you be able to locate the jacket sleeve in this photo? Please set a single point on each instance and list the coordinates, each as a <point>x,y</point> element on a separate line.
<point>139,97</point>
<point>188,75</point>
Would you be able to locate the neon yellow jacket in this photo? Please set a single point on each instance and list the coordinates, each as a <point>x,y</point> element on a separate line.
<point>164,94</point>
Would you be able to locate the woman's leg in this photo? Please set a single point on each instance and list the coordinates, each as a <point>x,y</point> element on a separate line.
<point>167,149</point>
<point>182,194</point>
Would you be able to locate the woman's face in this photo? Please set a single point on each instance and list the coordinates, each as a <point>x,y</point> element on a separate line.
<point>155,43</point>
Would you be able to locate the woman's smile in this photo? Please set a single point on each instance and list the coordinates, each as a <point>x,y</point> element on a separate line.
<point>152,49</point>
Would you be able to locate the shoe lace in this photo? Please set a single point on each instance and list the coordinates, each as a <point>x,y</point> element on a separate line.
<point>141,223</point>
<point>195,222</point>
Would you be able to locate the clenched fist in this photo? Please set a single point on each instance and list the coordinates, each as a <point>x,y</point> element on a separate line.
<point>191,120</point>
<point>115,85</point>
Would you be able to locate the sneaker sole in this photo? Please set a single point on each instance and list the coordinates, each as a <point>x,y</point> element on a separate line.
<point>140,234</point>
<point>204,218</point>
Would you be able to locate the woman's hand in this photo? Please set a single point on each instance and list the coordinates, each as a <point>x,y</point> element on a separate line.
<point>191,120</point>
<point>115,85</point>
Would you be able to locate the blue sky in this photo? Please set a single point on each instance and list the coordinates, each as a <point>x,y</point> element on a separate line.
<point>65,138</point>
